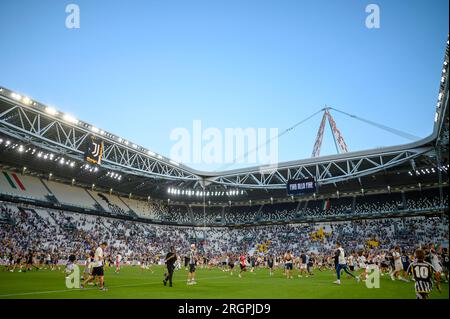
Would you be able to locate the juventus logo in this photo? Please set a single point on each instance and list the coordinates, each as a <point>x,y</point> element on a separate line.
<point>94,154</point>
<point>96,151</point>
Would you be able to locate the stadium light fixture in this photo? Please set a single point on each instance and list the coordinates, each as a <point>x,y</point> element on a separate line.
<point>20,149</point>
<point>94,129</point>
<point>16,96</point>
<point>26,100</point>
<point>69,118</point>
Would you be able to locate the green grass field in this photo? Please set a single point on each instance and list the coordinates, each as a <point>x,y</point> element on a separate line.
<point>133,283</point>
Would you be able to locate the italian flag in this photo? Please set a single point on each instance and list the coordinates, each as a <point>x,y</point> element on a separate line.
<point>14,181</point>
<point>326,204</point>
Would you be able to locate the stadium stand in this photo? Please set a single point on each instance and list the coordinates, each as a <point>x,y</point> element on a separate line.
<point>176,213</point>
<point>24,186</point>
<point>71,195</point>
<point>47,230</point>
<point>209,215</point>
<point>371,205</point>
<point>144,209</point>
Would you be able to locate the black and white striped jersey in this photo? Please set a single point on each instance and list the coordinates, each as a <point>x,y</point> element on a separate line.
<point>423,275</point>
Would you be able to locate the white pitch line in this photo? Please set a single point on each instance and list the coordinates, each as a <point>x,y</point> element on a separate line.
<point>76,289</point>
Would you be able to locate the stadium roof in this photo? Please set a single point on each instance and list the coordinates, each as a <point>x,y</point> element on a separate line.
<point>39,128</point>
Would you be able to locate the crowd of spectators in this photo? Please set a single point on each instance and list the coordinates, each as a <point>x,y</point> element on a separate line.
<point>61,233</point>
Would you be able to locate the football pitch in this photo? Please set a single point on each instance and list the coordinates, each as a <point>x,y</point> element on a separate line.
<point>134,283</point>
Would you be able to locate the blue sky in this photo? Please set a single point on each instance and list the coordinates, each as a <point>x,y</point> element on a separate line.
<point>139,69</point>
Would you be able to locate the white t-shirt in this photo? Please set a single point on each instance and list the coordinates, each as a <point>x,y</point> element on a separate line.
<point>362,261</point>
<point>341,258</point>
<point>98,257</point>
<point>397,259</point>
<point>350,260</point>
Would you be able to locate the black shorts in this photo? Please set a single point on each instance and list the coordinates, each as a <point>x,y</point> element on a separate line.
<point>97,271</point>
<point>270,265</point>
<point>231,265</point>
<point>170,267</point>
<point>289,266</point>
<point>242,266</point>
<point>422,295</point>
<point>191,268</point>
<point>352,268</point>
